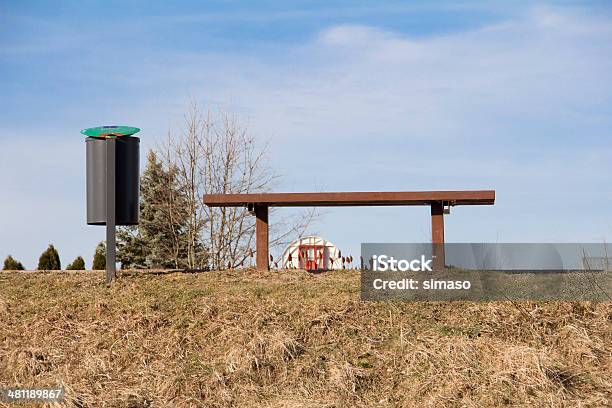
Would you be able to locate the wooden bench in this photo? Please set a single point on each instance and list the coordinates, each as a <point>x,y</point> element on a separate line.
<point>439,201</point>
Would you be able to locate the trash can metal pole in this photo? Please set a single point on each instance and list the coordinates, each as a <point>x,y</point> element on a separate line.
<point>111,150</point>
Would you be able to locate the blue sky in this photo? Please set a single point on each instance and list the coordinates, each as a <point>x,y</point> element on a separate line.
<point>351,95</point>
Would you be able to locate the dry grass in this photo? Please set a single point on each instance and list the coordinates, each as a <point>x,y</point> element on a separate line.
<point>291,339</point>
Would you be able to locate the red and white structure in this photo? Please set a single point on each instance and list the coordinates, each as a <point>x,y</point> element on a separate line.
<point>312,254</point>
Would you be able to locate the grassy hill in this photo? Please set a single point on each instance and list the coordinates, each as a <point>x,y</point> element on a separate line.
<point>292,339</point>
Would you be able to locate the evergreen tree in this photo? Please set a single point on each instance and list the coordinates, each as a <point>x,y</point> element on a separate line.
<point>99,259</point>
<point>49,260</point>
<point>131,247</point>
<point>160,240</point>
<point>11,264</point>
<point>77,265</point>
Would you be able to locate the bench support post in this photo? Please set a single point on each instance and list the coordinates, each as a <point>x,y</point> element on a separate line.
<point>262,237</point>
<point>437,234</point>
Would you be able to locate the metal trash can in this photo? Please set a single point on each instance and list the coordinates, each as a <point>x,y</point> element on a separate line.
<point>127,188</point>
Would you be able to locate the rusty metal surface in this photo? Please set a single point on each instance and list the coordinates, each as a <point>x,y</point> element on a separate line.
<point>466,197</point>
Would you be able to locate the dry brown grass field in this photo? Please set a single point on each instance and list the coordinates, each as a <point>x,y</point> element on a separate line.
<point>292,339</point>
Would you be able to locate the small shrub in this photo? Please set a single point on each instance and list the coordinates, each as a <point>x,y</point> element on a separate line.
<point>77,265</point>
<point>99,259</point>
<point>49,260</point>
<point>11,264</point>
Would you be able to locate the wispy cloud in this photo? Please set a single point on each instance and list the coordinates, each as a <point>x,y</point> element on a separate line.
<point>522,105</point>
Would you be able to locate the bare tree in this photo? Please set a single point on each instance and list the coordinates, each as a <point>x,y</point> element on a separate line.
<point>216,154</point>
<point>235,164</point>
<point>183,152</point>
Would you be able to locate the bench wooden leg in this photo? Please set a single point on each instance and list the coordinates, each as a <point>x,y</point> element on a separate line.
<point>437,234</point>
<point>262,237</point>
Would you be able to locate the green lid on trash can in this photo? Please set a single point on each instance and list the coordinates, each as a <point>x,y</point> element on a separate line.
<point>104,132</point>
